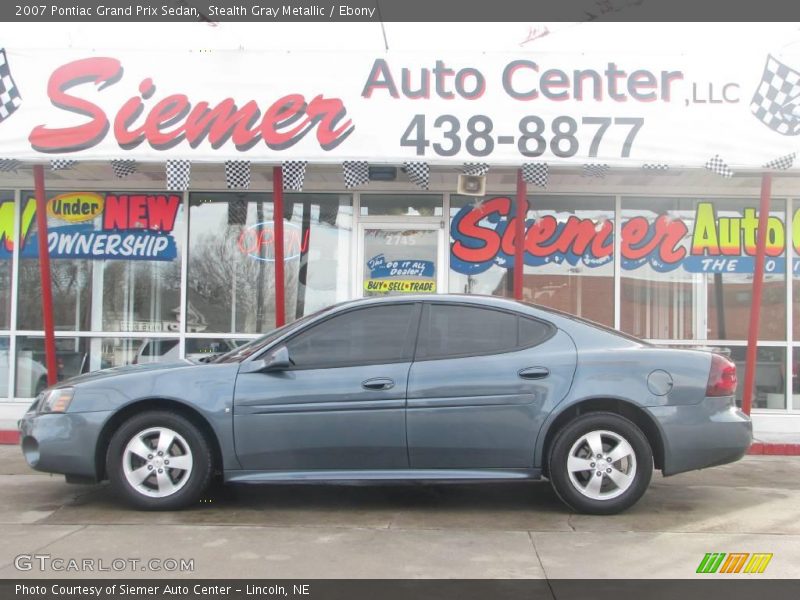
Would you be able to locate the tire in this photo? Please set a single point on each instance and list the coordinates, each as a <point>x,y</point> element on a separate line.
<point>626,459</point>
<point>153,483</point>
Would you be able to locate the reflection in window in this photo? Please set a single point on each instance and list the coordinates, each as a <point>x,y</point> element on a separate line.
<point>110,270</point>
<point>5,366</point>
<point>231,280</point>
<point>476,267</point>
<point>687,269</point>
<point>401,205</point>
<point>76,355</point>
<point>569,258</point>
<point>770,380</point>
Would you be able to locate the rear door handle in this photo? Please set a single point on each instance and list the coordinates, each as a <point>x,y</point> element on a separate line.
<point>378,383</point>
<point>534,373</point>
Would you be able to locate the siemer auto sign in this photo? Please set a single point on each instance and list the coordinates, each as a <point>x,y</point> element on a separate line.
<point>560,107</point>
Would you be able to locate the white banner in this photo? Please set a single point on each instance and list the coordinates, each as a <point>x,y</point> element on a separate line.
<point>502,109</point>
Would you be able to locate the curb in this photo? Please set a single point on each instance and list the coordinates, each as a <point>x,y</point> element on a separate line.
<point>9,436</point>
<point>774,449</point>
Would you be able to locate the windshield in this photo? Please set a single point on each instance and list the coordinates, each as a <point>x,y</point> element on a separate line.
<point>254,346</point>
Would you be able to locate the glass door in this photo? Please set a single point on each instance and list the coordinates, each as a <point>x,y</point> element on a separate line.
<point>400,258</point>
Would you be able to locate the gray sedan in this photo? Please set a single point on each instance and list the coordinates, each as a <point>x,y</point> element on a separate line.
<point>433,388</point>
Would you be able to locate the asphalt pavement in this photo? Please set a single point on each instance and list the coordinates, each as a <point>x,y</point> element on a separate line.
<point>511,530</point>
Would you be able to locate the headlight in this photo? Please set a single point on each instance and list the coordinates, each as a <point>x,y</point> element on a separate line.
<point>56,400</point>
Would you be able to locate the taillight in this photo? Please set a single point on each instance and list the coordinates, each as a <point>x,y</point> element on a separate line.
<point>722,378</point>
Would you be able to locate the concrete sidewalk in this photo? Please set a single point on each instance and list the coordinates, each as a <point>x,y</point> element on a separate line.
<point>459,531</point>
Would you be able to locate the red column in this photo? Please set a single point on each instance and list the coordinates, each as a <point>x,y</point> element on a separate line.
<point>44,271</point>
<point>277,219</point>
<point>519,234</point>
<point>755,303</point>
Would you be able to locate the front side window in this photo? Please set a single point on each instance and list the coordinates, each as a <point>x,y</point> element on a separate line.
<point>379,334</point>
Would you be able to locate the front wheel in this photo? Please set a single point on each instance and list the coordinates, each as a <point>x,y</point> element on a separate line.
<point>159,460</point>
<point>600,463</point>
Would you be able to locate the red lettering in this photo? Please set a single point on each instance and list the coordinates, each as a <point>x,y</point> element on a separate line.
<point>470,228</point>
<point>137,211</point>
<point>115,213</point>
<point>100,71</point>
<point>670,233</point>
<point>162,211</point>
<point>539,234</point>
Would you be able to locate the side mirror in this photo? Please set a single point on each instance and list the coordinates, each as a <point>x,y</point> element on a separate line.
<point>277,360</point>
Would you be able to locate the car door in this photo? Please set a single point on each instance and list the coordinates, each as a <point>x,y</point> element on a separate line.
<point>342,404</point>
<point>482,382</point>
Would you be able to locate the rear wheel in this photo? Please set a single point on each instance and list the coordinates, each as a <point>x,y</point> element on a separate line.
<point>159,460</point>
<point>600,463</point>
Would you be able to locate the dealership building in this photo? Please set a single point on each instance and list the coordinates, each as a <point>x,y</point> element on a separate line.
<point>179,225</point>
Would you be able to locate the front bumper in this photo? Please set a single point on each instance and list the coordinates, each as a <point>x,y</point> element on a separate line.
<point>707,434</point>
<point>62,442</point>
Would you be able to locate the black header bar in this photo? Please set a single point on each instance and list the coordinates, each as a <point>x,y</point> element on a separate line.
<point>443,11</point>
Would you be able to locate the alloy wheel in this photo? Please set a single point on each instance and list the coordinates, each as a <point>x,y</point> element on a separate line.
<point>601,465</point>
<point>157,462</point>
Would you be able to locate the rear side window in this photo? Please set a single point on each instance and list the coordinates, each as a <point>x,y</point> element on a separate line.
<point>379,334</point>
<point>451,331</point>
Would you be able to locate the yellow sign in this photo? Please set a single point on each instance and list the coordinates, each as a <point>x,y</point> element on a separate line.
<point>403,286</point>
<point>75,207</point>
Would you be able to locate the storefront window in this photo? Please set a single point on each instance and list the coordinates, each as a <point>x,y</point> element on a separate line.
<point>5,366</point>
<point>569,255</point>
<point>770,380</point>
<point>76,355</point>
<point>6,253</point>
<point>231,281</point>
<point>114,261</point>
<point>401,205</point>
<point>687,269</point>
<point>479,264</point>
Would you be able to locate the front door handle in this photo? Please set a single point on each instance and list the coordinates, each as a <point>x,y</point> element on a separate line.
<point>534,373</point>
<point>378,383</point>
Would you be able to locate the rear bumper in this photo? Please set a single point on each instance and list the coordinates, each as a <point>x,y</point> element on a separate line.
<point>62,442</point>
<point>702,435</point>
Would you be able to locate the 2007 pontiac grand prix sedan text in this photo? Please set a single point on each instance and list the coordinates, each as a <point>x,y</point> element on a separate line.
<point>434,388</point>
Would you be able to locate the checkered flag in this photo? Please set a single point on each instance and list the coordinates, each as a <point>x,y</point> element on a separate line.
<point>655,167</point>
<point>418,172</point>
<point>62,164</point>
<point>475,169</point>
<point>719,166</point>
<point>776,102</point>
<point>122,167</point>
<point>9,164</point>
<point>781,163</point>
<point>294,174</point>
<point>9,93</point>
<point>237,174</point>
<point>179,172</point>
<point>535,173</point>
<point>595,170</point>
<point>356,172</point>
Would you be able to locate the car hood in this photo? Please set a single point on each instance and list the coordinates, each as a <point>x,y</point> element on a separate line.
<point>130,369</point>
